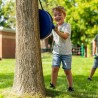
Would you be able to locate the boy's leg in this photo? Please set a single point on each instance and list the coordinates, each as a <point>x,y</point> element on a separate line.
<point>93,69</point>
<point>69,77</point>
<point>66,62</point>
<point>55,68</point>
<point>54,75</point>
<point>92,72</point>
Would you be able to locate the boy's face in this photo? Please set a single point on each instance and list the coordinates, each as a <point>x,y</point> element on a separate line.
<point>58,17</point>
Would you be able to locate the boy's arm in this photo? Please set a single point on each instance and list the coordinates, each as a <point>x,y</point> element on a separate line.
<point>63,35</point>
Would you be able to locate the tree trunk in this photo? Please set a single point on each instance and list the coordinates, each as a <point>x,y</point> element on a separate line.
<point>28,77</point>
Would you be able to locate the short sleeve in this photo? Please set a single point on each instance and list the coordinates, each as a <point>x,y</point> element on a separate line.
<point>67,28</point>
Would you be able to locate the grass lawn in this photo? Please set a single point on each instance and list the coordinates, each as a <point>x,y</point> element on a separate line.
<point>80,68</point>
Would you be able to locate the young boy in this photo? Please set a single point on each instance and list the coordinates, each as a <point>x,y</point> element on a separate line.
<point>95,49</point>
<point>62,49</point>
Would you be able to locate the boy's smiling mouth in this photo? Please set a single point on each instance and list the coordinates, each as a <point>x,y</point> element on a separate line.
<point>58,20</point>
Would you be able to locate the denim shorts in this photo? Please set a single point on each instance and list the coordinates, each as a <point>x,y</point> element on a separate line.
<point>95,63</point>
<point>65,59</point>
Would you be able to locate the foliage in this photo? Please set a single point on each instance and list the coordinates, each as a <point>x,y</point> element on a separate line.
<point>80,68</point>
<point>84,21</point>
<point>82,15</point>
<point>7,13</point>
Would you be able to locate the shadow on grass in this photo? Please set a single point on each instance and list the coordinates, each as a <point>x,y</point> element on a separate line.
<point>6,80</point>
<point>52,93</point>
<point>82,87</point>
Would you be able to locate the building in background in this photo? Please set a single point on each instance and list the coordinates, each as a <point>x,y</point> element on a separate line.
<point>7,43</point>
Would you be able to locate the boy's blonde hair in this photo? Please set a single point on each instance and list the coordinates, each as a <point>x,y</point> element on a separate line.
<point>60,9</point>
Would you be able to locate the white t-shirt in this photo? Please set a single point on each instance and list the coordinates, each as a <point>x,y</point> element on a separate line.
<point>96,40</point>
<point>62,46</point>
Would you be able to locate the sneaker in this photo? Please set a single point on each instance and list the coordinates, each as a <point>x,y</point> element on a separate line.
<point>70,89</point>
<point>52,86</point>
<point>89,79</point>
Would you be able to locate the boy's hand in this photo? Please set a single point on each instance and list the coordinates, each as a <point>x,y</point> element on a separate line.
<point>56,29</point>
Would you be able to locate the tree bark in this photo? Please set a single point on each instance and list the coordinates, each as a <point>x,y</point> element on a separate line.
<point>28,78</point>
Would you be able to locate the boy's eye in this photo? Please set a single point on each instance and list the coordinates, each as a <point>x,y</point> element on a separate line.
<point>57,15</point>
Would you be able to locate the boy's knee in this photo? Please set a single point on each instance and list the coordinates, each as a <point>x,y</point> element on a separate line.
<point>55,69</point>
<point>68,72</point>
